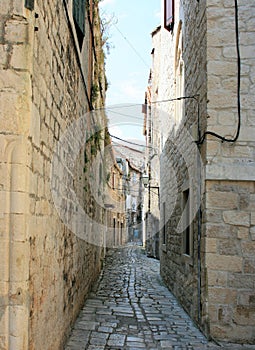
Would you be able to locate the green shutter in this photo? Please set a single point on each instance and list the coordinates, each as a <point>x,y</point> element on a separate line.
<point>79,14</point>
<point>29,4</point>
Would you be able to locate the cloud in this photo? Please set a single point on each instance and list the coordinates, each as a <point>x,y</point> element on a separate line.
<point>126,91</point>
<point>107,2</point>
<point>157,14</point>
<point>116,131</point>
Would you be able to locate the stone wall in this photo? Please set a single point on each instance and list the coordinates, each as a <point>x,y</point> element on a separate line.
<point>180,160</point>
<point>47,82</point>
<point>229,259</point>
<point>215,281</point>
<point>229,225</point>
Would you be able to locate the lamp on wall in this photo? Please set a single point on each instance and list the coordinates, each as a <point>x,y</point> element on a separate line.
<point>145,180</point>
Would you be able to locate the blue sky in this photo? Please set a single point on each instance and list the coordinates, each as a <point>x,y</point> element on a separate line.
<point>129,61</point>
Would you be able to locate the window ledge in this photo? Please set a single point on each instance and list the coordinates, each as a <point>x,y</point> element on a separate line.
<point>163,247</point>
<point>187,259</point>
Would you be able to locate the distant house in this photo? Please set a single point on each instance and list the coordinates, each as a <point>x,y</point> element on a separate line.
<point>114,200</point>
<point>202,102</point>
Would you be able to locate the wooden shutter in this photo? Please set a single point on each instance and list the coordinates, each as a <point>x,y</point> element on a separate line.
<point>79,14</point>
<point>169,14</point>
<point>29,4</point>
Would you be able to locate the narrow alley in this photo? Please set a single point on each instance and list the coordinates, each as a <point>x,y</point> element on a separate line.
<point>130,308</point>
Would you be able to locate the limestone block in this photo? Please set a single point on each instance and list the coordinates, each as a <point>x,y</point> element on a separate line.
<point>243,233</point>
<point>229,247</point>
<point>224,262</point>
<point>217,278</point>
<point>253,218</point>
<point>5,7</point>
<point>244,315</point>
<point>4,177</point>
<point>19,178</point>
<point>20,57</point>
<point>247,51</point>
<point>19,268</point>
<point>247,133</point>
<point>16,31</point>
<point>3,55</point>
<point>19,9</point>
<point>245,298</point>
<point>237,151</point>
<point>218,37</point>
<point>238,218</point>
<point>211,245</point>
<point>223,200</point>
<point>252,233</point>
<point>19,203</point>
<point>18,293</point>
<point>35,126</point>
<point>229,51</point>
<point>225,314</point>
<point>222,68</point>
<point>3,340</point>
<point>4,202</point>
<point>220,231</point>
<point>14,107</point>
<point>227,118</point>
<point>223,98</point>
<point>248,249</point>
<point>18,227</point>
<point>18,327</point>
<point>249,265</point>
<point>222,296</point>
<point>4,262</point>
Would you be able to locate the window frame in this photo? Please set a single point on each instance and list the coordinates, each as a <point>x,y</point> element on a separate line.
<point>169,14</point>
<point>163,245</point>
<point>79,15</point>
<point>187,232</point>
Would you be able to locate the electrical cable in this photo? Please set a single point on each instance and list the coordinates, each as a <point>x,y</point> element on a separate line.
<point>222,138</point>
<point>132,143</point>
<point>132,47</point>
<point>127,115</point>
<point>131,149</point>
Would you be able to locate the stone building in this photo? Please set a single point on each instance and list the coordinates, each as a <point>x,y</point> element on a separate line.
<point>130,159</point>
<point>151,176</point>
<point>202,99</point>
<point>134,203</point>
<point>51,76</point>
<point>115,201</point>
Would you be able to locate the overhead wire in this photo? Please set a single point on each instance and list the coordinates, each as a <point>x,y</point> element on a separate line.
<point>130,142</point>
<point>132,46</point>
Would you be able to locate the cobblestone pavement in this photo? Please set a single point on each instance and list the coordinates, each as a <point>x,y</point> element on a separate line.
<point>130,308</point>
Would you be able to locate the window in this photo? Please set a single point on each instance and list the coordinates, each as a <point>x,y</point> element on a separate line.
<point>169,14</point>
<point>29,4</point>
<point>113,181</point>
<point>164,224</point>
<point>114,231</point>
<point>187,243</point>
<point>79,19</point>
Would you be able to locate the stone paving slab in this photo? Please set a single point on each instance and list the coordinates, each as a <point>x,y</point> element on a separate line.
<point>130,308</point>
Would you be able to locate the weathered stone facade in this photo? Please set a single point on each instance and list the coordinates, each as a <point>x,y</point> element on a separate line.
<point>114,200</point>
<point>49,77</point>
<point>207,187</point>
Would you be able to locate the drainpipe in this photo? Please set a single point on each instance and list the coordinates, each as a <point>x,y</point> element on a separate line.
<point>199,169</point>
